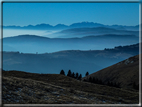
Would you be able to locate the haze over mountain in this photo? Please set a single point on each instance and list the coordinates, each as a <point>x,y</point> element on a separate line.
<point>80,47</point>
<point>71,31</point>
<point>41,41</point>
<point>95,31</point>
<point>44,26</point>
<point>43,44</point>
<point>75,60</point>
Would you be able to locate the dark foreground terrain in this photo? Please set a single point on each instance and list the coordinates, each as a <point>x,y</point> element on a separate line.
<point>30,88</point>
<point>124,73</point>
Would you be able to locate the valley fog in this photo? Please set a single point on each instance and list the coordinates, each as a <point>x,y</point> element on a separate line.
<point>80,50</point>
<point>48,41</point>
<point>16,32</point>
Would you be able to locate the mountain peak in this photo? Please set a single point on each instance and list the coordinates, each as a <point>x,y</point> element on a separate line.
<point>86,24</point>
<point>60,26</point>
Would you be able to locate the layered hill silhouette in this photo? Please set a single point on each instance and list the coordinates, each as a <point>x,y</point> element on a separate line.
<point>75,30</point>
<point>95,31</point>
<point>75,60</point>
<point>43,44</point>
<point>79,47</point>
<point>124,73</point>
<point>44,26</point>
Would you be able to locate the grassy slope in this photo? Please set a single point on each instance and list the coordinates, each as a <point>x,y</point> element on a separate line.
<point>125,73</point>
<point>21,87</point>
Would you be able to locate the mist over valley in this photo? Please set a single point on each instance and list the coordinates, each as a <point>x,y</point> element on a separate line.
<point>70,53</point>
<point>48,45</point>
<point>80,47</point>
<point>74,30</point>
<point>74,60</point>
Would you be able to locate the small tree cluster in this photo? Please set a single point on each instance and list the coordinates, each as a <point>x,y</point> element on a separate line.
<point>74,75</point>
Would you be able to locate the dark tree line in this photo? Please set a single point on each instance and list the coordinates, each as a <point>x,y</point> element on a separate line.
<point>97,81</point>
<point>72,74</point>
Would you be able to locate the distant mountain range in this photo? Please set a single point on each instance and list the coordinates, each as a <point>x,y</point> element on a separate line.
<point>94,31</point>
<point>75,60</point>
<point>81,47</point>
<point>33,43</point>
<point>44,26</point>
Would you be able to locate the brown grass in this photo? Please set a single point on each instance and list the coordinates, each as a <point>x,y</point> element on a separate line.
<point>125,73</point>
<point>29,88</point>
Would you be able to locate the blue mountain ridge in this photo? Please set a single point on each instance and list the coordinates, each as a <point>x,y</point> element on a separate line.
<point>45,26</point>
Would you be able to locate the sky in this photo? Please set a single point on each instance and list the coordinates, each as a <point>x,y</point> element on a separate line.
<point>23,14</point>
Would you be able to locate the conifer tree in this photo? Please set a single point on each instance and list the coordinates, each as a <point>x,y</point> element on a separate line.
<point>69,73</point>
<point>62,72</point>
<point>80,76</point>
<point>87,73</point>
<point>73,75</point>
<point>76,75</point>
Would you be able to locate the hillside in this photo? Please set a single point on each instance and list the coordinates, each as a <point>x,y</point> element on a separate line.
<point>43,44</point>
<point>80,32</point>
<point>75,60</point>
<point>29,88</point>
<point>126,73</point>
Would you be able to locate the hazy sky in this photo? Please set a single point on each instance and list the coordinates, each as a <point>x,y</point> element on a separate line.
<point>23,14</point>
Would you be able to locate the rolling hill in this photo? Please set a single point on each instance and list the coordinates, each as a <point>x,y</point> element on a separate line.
<point>75,60</point>
<point>33,43</point>
<point>126,73</point>
<point>95,31</point>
